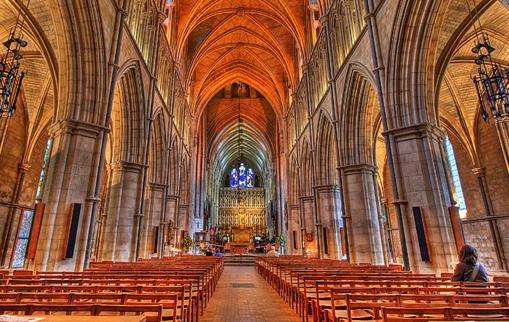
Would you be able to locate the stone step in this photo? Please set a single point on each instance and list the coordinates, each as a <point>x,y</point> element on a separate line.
<point>239,264</point>
<point>239,260</point>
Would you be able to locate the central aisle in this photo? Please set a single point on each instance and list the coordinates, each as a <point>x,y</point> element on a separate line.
<point>243,296</point>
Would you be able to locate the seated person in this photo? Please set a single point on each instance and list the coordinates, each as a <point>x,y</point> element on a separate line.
<point>272,252</point>
<point>469,269</point>
<point>218,252</point>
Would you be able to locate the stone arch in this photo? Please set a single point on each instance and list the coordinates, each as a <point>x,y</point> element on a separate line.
<point>157,154</point>
<point>82,61</point>
<point>360,116</point>
<point>294,181</point>
<point>127,143</point>
<point>173,167</point>
<point>184,182</point>
<point>326,152</point>
<point>358,125</point>
<point>306,170</point>
<point>128,118</point>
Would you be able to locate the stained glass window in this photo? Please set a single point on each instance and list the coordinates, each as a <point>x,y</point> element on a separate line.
<point>42,175</point>
<point>242,177</point>
<point>25,226</point>
<point>460,199</point>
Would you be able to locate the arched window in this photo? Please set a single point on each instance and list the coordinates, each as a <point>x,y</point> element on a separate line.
<point>42,175</point>
<point>242,177</point>
<point>458,192</point>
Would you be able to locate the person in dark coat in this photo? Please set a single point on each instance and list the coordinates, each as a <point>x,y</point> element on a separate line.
<point>469,269</point>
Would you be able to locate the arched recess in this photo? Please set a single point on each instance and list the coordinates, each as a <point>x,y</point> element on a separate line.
<point>307,201</point>
<point>329,199</point>
<point>358,130</point>
<point>173,168</point>
<point>293,209</point>
<point>294,181</point>
<point>184,222</point>
<point>127,139</point>
<point>306,159</point>
<point>157,154</point>
<point>154,197</point>
<point>326,152</point>
<point>128,119</point>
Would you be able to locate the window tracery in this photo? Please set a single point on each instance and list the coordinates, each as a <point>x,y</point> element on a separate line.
<point>242,177</point>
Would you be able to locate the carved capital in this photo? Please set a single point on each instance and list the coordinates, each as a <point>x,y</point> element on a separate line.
<point>479,172</point>
<point>75,127</point>
<point>23,167</point>
<point>417,131</point>
<point>358,168</point>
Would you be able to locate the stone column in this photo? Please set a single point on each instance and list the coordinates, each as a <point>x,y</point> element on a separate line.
<point>119,235</point>
<point>496,237</point>
<point>330,206</point>
<point>153,212</point>
<point>4,125</point>
<point>502,125</point>
<point>422,174</point>
<point>69,171</point>
<point>362,208</point>
<point>170,219</point>
<point>307,209</point>
<point>294,246</point>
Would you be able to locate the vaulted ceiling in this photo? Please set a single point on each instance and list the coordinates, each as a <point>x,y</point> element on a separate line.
<point>256,42</point>
<point>240,130</point>
<point>458,101</point>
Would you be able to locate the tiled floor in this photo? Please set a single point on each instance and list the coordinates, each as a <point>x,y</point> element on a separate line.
<point>243,296</point>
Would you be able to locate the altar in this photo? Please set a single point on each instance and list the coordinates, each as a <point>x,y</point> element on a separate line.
<point>242,213</point>
<point>241,240</point>
<point>239,248</point>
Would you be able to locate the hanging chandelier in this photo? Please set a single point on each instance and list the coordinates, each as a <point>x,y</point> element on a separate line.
<point>492,79</point>
<point>11,77</point>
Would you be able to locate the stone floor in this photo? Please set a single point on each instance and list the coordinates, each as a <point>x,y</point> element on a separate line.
<point>243,296</point>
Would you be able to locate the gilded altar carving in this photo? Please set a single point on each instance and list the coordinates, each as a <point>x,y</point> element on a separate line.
<point>242,208</point>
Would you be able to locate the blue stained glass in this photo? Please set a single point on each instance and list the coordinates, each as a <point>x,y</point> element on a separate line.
<point>19,254</point>
<point>250,178</point>
<point>25,226</point>
<point>242,177</point>
<point>42,175</point>
<point>234,180</point>
<point>460,199</point>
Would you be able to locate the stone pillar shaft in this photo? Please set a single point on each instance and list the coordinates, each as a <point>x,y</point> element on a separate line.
<point>363,209</point>
<point>422,174</point>
<point>503,137</point>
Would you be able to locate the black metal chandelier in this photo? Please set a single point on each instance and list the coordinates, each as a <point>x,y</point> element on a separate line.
<point>11,77</point>
<point>492,79</point>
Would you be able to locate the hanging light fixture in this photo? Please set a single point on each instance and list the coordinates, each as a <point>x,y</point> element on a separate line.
<point>492,79</point>
<point>11,77</point>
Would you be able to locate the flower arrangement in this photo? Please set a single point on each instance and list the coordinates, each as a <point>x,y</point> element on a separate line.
<point>281,240</point>
<point>187,243</point>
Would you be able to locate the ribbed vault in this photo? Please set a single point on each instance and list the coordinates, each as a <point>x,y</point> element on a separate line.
<point>240,129</point>
<point>253,41</point>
